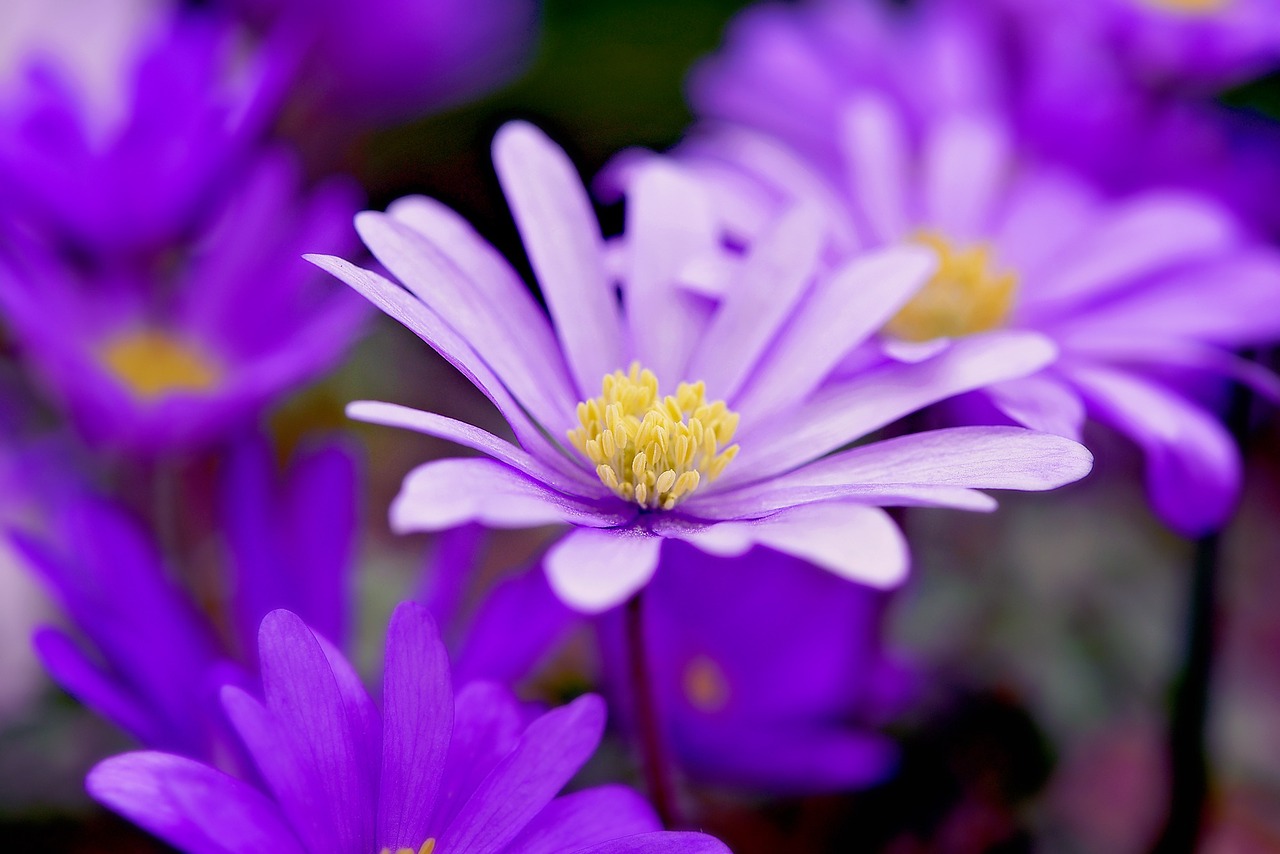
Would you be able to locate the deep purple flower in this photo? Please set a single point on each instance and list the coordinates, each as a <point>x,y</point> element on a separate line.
<point>390,60</point>
<point>425,773</point>
<point>151,661</point>
<point>1128,290</point>
<point>180,351</point>
<point>117,135</point>
<point>645,462</point>
<point>766,671</point>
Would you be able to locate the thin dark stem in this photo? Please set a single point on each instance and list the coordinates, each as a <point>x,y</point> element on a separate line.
<point>1188,763</point>
<point>653,756</point>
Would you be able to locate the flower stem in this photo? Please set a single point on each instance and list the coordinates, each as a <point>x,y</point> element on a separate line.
<point>653,756</point>
<point>1188,762</point>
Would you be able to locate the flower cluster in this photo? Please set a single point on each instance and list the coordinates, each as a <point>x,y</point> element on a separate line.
<point>897,261</point>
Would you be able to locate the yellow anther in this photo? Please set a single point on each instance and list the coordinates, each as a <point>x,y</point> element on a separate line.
<point>705,684</point>
<point>153,364</point>
<point>651,449</point>
<point>427,848</point>
<point>966,295</point>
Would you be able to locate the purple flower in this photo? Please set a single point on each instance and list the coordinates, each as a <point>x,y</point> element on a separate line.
<point>120,127</point>
<point>722,432</point>
<point>429,772</point>
<point>174,352</point>
<point>391,60</point>
<point>1128,290</point>
<point>766,671</point>
<point>152,662</point>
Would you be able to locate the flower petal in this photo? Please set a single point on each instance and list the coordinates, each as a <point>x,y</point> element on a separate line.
<point>659,842</point>
<point>1193,465</point>
<point>550,752</point>
<point>875,143</point>
<point>966,161</point>
<point>562,239</point>
<point>445,493</point>
<point>1041,402</point>
<point>669,225</point>
<point>589,817</point>
<point>417,723</point>
<point>487,724</point>
<point>470,436</point>
<point>855,542</point>
<point>846,307</point>
<point>493,315</point>
<point>776,271</point>
<point>593,570</point>
<point>189,805</point>
<point>842,413</point>
<point>527,601</point>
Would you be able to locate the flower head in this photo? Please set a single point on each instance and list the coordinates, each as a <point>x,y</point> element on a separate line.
<point>427,772</point>
<point>1125,288</point>
<point>634,467</point>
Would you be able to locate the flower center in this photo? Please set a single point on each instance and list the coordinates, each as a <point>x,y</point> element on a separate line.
<point>154,364</point>
<point>650,449</point>
<point>967,295</point>
<point>1190,7</point>
<point>427,847</point>
<point>705,684</point>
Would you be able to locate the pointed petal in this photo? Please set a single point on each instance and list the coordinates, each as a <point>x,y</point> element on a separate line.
<point>417,724</point>
<point>586,818</point>
<point>593,570</point>
<point>190,806</point>
<point>1041,402</point>
<point>550,752</point>
<point>1193,465</point>
<point>445,493</point>
<point>855,542</point>
<point>562,238</point>
<point>527,601</point>
<point>487,725</point>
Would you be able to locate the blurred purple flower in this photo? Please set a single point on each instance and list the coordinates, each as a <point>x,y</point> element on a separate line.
<point>761,353</point>
<point>121,124</point>
<point>429,771</point>
<point>393,60</point>
<point>1127,290</point>
<point>767,671</point>
<point>180,352</point>
<point>153,662</point>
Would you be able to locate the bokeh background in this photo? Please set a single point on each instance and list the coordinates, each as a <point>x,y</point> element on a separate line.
<point>1045,638</point>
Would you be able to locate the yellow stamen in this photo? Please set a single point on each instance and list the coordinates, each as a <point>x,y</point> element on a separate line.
<point>154,364</point>
<point>427,847</point>
<point>1190,7</point>
<point>966,295</point>
<point>705,684</point>
<point>650,449</point>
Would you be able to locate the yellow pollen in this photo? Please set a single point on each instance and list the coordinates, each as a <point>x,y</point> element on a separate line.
<point>705,684</point>
<point>154,364</point>
<point>1190,7</point>
<point>427,848</point>
<point>965,296</point>
<point>650,449</point>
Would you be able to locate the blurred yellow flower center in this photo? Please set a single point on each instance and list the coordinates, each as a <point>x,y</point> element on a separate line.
<point>705,684</point>
<point>154,364</point>
<point>1190,7</point>
<point>967,295</point>
<point>650,449</point>
<point>427,848</point>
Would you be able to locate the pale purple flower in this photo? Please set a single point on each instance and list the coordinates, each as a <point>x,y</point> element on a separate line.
<point>427,772</point>
<point>750,364</point>
<point>1140,295</point>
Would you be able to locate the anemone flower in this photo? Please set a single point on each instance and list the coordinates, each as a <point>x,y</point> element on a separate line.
<point>740,444</point>
<point>157,355</point>
<point>428,772</point>
<point>767,673</point>
<point>143,654</point>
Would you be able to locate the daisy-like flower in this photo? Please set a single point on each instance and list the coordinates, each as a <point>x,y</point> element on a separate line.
<point>426,773</point>
<point>1135,293</point>
<point>645,413</point>
<point>157,355</point>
